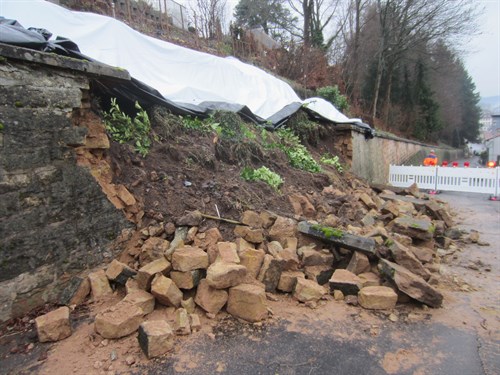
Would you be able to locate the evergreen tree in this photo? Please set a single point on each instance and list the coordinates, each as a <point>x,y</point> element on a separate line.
<point>271,15</point>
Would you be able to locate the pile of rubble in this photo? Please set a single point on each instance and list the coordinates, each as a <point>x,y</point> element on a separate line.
<point>391,256</point>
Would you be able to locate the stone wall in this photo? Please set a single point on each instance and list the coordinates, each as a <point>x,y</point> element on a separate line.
<point>55,220</point>
<point>370,158</point>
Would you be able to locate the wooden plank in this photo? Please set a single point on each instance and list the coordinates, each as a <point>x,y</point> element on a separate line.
<point>346,240</point>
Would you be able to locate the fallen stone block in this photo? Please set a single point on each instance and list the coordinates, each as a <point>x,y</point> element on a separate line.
<point>320,274</point>
<point>369,279</point>
<point>191,219</point>
<point>423,254</point>
<point>225,275</point>
<point>242,245</point>
<point>99,284</point>
<point>119,272</point>
<point>189,305</point>
<point>118,321</point>
<point>377,298</point>
<point>282,229</point>
<point>359,263</point>
<point>153,248</point>
<point>252,219</point>
<point>252,259</point>
<point>312,257</point>
<point>308,290</point>
<point>367,200</point>
<point>189,258</point>
<point>195,322</point>
<point>75,293</point>
<point>270,272</point>
<point>53,326</point>
<point>131,285</point>
<point>345,281</point>
<point>146,274</point>
<point>165,291</point>
<point>415,228</point>
<point>227,253</point>
<point>290,259</point>
<point>251,235</point>
<point>410,284</point>
<point>182,325</point>
<point>247,302</point>
<point>288,279</point>
<point>186,280</point>
<point>142,299</point>
<point>210,299</point>
<point>404,257</point>
<point>155,338</point>
<point>338,295</point>
<point>301,205</point>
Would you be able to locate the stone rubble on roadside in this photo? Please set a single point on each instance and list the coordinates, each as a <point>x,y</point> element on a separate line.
<point>374,262</point>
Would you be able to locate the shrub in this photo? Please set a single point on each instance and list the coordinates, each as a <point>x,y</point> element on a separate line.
<point>262,174</point>
<point>333,95</point>
<point>124,129</point>
<point>297,153</point>
<point>334,161</point>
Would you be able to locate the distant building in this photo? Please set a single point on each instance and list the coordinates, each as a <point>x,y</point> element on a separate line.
<point>495,123</point>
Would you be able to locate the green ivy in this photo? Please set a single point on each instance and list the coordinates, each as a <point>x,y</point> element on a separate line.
<point>262,174</point>
<point>122,128</point>
<point>297,153</point>
<point>334,161</point>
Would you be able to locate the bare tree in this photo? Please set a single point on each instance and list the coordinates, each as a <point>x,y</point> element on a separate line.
<point>406,23</point>
<point>210,17</point>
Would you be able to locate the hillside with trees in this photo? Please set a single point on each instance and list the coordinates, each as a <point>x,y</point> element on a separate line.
<point>394,63</point>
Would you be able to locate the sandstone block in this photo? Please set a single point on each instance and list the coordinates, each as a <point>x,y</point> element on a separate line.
<point>242,245</point>
<point>308,290</point>
<point>252,219</point>
<point>182,325</point>
<point>252,259</point>
<point>53,326</point>
<point>227,252</point>
<point>189,258</point>
<point>210,299</point>
<point>142,299</point>
<point>153,248</point>
<point>369,279</point>
<point>119,272</point>
<point>367,200</point>
<point>345,281</point>
<point>189,305</point>
<point>288,279</point>
<point>320,274</point>
<point>410,284</point>
<point>270,272</point>
<point>155,338</point>
<point>377,298</point>
<point>191,219</point>
<point>186,280</point>
<point>251,235</point>
<point>119,320</point>
<point>283,228</point>
<point>208,238</point>
<point>359,263</point>
<point>312,257</point>
<point>99,284</point>
<point>146,274</point>
<point>247,302</point>
<point>423,254</point>
<point>415,228</point>
<point>290,259</point>
<point>225,275</point>
<point>338,295</point>
<point>404,257</point>
<point>75,293</point>
<point>131,285</point>
<point>165,291</point>
<point>195,322</point>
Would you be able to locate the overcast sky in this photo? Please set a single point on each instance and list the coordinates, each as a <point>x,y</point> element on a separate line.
<point>483,59</point>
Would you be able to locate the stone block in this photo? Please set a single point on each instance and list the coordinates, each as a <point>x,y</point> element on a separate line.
<point>338,295</point>
<point>242,245</point>
<point>225,275</point>
<point>191,219</point>
<point>189,305</point>
<point>227,252</point>
<point>165,291</point>
<point>377,298</point>
<point>53,326</point>
<point>119,272</point>
<point>247,302</point>
<point>75,293</point>
<point>210,299</point>
<point>182,324</point>
<point>345,281</point>
<point>359,263</point>
<point>118,321</point>
<point>404,257</point>
<point>186,280</point>
<point>320,274</point>
<point>99,284</point>
<point>146,274</point>
<point>301,205</point>
<point>308,290</point>
<point>369,279</point>
<point>155,338</point>
<point>252,219</point>
<point>189,258</point>
<point>288,279</point>
<point>282,229</point>
<point>420,229</point>
<point>367,200</point>
<point>142,299</point>
<point>252,259</point>
<point>195,322</point>
<point>270,272</point>
<point>153,248</point>
<point>255,236</point>
<point>312,257</point>
<point>208,238</point>
<point>290,259</point>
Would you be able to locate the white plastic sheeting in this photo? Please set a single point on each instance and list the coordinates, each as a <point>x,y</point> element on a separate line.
<point>327,110</point>
<point>179,74</point>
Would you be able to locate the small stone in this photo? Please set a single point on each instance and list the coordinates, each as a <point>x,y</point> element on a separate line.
<point>351,300</point>
<point>98,365</point>
<point>155,339</point>
<point>53,326</point>
<point>393,318</point>
<point>227,253</point>
<point>182,325</point>
<point>255,236</point>
<point>130,360</point>
<point>210,316</point>
<point>270,272</point>
<point>288,279</point>
<point>195,322</point>
<point>113,356</point>
<point>338,295</point>
<point>186,280</point>
<point>105,342</point>
<point>252,259</point>
<point>189,305</point>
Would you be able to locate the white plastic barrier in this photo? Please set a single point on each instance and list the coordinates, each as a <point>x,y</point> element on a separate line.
<point>472,180</point>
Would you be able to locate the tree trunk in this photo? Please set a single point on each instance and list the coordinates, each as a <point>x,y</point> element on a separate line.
<point>378,80</point>
<point>307,9</point>
<point>387,97</point>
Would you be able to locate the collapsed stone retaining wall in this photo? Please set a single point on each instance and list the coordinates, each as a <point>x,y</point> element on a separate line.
<point>55,220</point>
<point>370,158</point>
